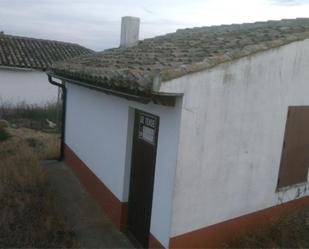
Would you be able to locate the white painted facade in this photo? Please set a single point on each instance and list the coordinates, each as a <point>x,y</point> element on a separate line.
<point>231,136</point>
<point>219,148</point>
<point>100,129</point>
<point>29,86</point>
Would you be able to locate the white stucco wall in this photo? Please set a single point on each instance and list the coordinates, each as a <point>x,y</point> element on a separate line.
<point>231,136</point>
<point>31,87</point>
<point>96,130</point>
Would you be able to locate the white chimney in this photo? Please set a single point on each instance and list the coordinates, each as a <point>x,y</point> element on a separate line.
<point>129,31</point>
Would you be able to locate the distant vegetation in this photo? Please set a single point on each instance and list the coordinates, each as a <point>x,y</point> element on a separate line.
<point>29,217</point>
<point>32,116</point>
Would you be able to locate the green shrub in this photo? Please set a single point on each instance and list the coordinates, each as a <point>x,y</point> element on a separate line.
<point>4,135</point>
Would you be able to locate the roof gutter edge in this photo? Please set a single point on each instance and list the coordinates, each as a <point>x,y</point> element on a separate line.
<point>143,99</point>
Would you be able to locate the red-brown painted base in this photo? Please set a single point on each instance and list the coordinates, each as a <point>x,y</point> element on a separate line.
<point>154,243</point>
<point>219,234</point>
<point>116,209</point>
<point>212,236</point>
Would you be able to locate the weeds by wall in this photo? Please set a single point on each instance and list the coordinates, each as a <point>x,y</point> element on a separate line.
<point>28,217</point>
<point>289,232</point>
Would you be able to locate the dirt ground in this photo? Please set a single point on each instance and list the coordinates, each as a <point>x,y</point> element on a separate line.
<point>91,225</point>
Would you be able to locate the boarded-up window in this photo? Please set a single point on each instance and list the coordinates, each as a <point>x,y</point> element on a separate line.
<point>295,152</point>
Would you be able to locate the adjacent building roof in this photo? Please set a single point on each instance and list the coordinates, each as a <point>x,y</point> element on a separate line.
<point>173,55</point>
<point>23,52</point>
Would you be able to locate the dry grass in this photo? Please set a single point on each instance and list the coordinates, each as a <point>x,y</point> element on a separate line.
<point>289,232</point>
<point>46,146</point>
<point>28,215</point>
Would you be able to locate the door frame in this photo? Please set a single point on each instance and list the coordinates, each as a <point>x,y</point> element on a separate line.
<point>134,135</point>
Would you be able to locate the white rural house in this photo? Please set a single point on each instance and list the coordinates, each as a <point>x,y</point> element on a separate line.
<point>191,138</point>
<point>22,65</point>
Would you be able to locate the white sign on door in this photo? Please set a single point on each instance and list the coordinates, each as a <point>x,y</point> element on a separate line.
<point>147,129</point>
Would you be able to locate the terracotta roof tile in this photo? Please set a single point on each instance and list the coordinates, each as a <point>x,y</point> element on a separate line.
<point>23,52</point>
<point>176,54</point>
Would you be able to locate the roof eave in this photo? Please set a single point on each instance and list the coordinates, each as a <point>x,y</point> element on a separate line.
<point>22,68</point>
<point>167,99</point>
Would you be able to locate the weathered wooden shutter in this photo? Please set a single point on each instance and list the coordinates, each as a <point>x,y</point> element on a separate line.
<point>295,151</point>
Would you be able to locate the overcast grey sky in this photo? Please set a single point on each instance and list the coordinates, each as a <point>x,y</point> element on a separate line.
<point>96,23</point>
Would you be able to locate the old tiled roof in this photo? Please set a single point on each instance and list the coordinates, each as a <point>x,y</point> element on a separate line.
<point>33,53</point>
<point>173,55</point>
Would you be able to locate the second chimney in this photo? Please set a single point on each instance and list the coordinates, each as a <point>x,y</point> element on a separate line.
<point>129,31</point>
